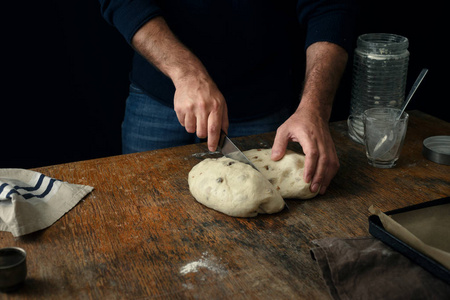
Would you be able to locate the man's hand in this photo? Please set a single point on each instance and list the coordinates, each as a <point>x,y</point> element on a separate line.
<point>198,103</point>
<point>325,63</point>
<point>311,131</point>
<point>201,108</point>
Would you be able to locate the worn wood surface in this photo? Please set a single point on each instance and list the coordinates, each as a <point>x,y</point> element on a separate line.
<point>141,235</point>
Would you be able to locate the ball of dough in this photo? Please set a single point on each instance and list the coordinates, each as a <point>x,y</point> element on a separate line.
<point>233,188</point>
<point>285,174</point>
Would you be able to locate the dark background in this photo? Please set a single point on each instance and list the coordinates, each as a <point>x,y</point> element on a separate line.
<point>65,75</point>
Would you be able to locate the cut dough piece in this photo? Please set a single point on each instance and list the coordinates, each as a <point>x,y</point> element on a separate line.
<point>233,188</point>
<point>285,174</point>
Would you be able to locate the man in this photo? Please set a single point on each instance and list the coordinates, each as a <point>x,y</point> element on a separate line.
<point>228,64</point>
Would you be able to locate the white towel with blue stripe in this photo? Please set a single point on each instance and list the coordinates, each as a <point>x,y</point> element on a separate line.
<point>31,201</point>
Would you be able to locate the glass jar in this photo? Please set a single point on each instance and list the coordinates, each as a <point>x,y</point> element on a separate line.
<point>380,68</point>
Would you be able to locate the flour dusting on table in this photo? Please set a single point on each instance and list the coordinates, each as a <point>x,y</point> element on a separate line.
<point>207,261</point>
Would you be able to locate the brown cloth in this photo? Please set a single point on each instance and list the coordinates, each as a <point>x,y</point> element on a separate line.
<point>365,268</point>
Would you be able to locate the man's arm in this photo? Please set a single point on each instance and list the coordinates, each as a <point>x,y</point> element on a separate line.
<point>198,103</point>
<point>325,64</point>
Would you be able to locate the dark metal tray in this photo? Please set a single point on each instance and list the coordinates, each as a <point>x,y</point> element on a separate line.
<point>377,230</point>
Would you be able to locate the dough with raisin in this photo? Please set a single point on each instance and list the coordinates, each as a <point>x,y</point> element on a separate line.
<point>233,188</point>
<point>285,174</point>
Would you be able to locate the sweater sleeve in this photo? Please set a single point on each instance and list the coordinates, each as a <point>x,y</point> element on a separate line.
<point>129,15</point>
<point>328,21</point>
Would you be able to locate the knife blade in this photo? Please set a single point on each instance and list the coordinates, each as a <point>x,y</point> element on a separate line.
<point>230,150</point>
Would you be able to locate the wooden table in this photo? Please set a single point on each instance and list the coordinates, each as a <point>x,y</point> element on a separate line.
<point>141,235</point>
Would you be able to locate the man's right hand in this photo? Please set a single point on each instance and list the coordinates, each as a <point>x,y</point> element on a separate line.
<point>201,108</point>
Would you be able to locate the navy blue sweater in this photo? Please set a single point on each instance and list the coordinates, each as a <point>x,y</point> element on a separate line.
<point>247,46</point>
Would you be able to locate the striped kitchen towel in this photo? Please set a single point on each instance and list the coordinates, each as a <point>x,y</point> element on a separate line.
<point>31,201</point>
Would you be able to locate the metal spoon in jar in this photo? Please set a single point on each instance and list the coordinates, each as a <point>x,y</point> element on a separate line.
<point>385,143</point>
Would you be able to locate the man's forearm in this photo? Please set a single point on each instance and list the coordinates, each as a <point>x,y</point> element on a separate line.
<point>156,42</point>
<point>198,103</point>
<point>325,64</point>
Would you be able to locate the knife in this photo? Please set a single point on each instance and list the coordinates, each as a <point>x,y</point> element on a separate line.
<point>229,149</point>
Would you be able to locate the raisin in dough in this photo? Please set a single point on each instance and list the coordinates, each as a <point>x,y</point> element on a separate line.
<point>285,174</point>
<point>233,188</point>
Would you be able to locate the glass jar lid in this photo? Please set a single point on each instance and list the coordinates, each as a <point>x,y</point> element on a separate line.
<point>382,43</point>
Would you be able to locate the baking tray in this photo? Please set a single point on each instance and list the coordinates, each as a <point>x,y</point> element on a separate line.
<point>377,230</point>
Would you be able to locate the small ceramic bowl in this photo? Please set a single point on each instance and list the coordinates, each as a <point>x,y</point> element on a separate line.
<point>13,268</point>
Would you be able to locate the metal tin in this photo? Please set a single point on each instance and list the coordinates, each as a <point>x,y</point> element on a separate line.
<point>378,231</point>
<point>437,149</point>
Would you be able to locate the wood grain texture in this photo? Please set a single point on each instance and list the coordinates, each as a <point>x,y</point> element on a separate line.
<point>141,235</point>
